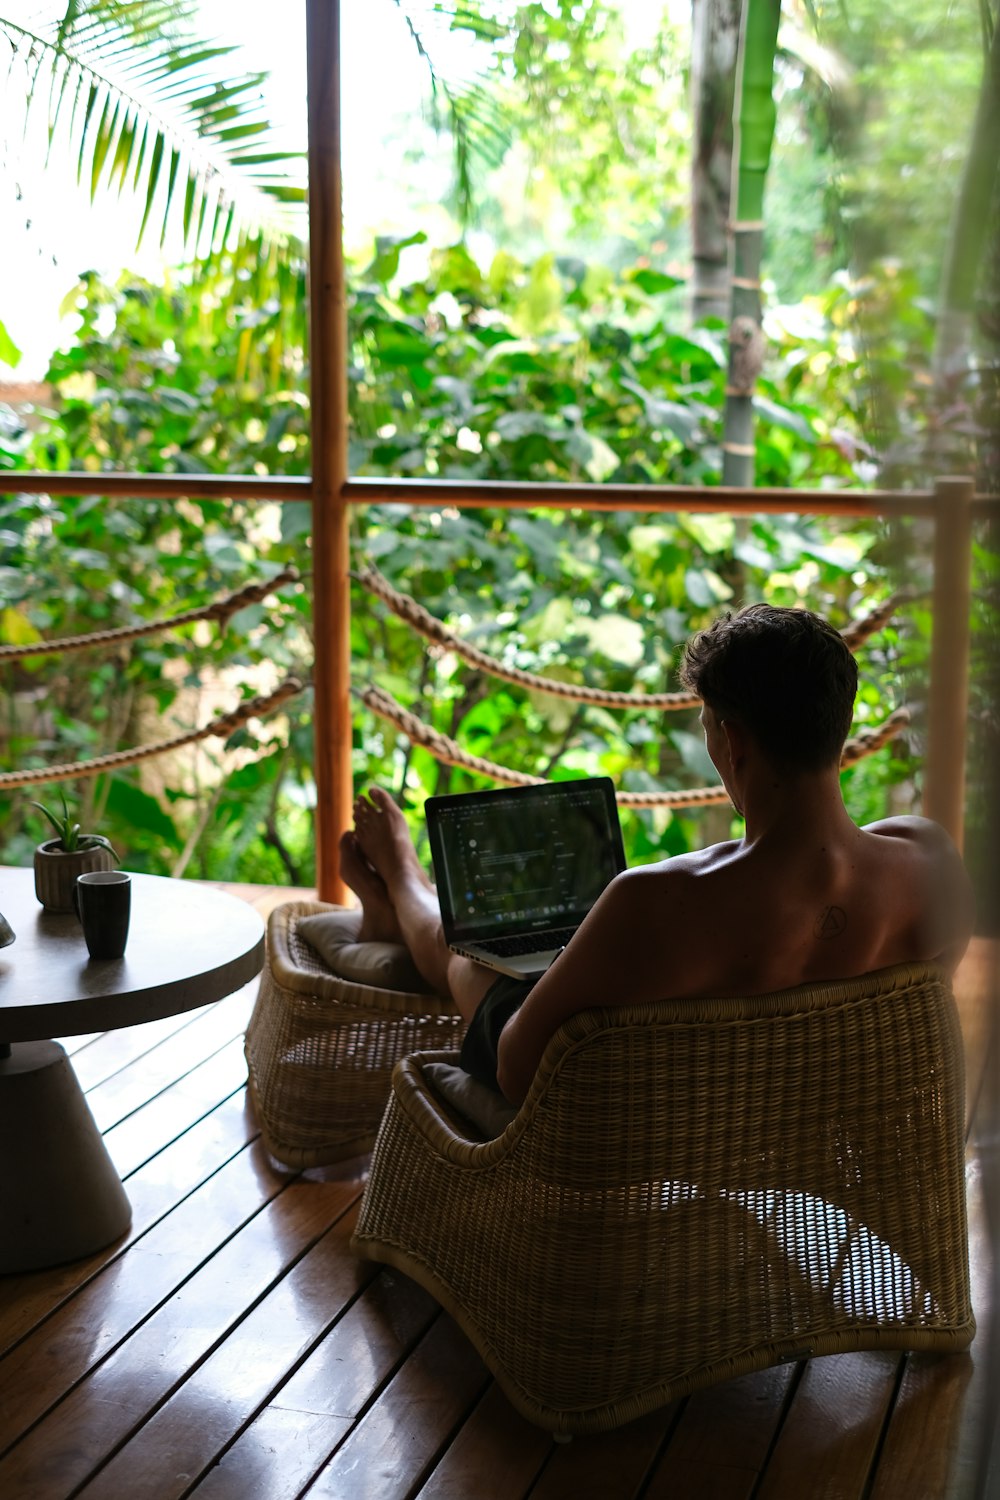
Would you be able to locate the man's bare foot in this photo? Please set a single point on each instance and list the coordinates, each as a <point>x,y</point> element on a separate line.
<point>378,919</point>
<point>384,839</point>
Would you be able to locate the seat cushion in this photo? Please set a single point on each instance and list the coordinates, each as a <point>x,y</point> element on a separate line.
<point>489,1111</point>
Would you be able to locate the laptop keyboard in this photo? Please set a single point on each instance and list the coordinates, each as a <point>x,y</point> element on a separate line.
<point>527,942</point>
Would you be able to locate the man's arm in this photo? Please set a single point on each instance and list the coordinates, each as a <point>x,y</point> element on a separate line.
<point>614,958</point>
<point>951,905</point>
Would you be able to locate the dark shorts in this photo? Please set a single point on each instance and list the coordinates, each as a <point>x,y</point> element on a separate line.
<point>479,1047</point>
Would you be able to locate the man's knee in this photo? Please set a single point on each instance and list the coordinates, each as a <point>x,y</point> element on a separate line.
<point>467,983</point>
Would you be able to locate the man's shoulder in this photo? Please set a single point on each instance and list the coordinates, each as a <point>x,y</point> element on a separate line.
<point>924,832</point>
<point>694,862</point>
<point>681,887</point>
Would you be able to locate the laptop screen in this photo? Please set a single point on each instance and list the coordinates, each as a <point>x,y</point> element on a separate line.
<point>523,859</point>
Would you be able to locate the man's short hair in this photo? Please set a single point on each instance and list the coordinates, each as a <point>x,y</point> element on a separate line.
<point>785,674</point>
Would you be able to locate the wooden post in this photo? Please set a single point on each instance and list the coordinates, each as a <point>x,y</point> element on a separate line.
<point>328,398</point>
<point>948,698</point>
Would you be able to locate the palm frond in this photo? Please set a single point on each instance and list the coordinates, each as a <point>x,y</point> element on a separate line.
<point>471,111</point>
<point>152,112</point>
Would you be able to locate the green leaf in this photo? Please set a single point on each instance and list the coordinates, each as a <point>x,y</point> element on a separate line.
<point>597,457</point>
<point>654,281</point>
<point>10,354</point>
<point>782,416</point>
<point>130,804</point>
<point>705,588</point>
<point>387,252</point>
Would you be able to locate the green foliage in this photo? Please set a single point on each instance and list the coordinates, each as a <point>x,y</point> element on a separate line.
<point>900,128</point>
<point>560,370</point>
<point>149,386</point>
<point>543,371</point>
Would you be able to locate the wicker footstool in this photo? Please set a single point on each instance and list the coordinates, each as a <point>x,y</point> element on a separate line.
<point>321,1047</point>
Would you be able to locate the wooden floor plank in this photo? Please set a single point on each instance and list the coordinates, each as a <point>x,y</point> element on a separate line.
<point>497,1441</point>
<point>133,1086</point>
<point>613,1463</point>
<point>292,1438</point>
<point>36,1374</point>
<point>388,1454</point>
<point>82,1432</point>
<point>222,1394</point>
<point>716,1481</point>
<point>833,1428</point>
<point>151,1128</point>
<point>74,1044</point>
<point>111,1051</point>
<point>748,1410</point>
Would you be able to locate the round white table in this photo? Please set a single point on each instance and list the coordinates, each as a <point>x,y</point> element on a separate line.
<point>188,944</point>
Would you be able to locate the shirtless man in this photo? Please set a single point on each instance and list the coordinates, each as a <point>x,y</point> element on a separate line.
<point>804,895</point>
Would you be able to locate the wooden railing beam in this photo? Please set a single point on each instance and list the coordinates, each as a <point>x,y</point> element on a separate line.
<point>948,696</point>
<point>512,495</point>
<point>642,498</point>
<point>328,394</point>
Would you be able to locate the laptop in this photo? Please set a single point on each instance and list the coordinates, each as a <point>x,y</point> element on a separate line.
<point>518,869</point>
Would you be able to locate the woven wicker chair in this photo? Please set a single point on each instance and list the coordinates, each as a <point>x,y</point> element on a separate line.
<point>693,1190</point>
<point>320,1049</point>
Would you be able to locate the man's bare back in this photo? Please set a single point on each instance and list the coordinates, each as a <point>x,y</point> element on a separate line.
<point>805,896</point>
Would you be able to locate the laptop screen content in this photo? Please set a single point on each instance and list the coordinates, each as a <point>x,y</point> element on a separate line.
<point>524,858</point>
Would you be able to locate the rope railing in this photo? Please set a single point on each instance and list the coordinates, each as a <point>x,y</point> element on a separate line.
<point>425,624</point>
<point>443,748</point>
<point>420,620</point>
<point>224,725</point>
<point>381,703</point>
<point>220,611</point>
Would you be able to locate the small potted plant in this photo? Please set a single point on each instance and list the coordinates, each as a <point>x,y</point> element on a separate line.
<point>58,861</point>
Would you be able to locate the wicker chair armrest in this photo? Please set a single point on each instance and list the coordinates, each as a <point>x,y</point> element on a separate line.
<point>443,1127</point>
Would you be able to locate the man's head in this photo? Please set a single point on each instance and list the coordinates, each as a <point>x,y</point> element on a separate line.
<point>784,675</point>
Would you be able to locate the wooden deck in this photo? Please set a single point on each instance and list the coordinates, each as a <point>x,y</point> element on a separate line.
<point>231,1347</point>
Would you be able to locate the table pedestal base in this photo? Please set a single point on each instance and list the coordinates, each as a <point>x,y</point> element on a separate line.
<point>60,1195</point>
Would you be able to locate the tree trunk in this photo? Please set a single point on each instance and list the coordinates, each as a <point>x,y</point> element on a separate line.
<point>751,156</point>
<point>715,35</point>
<point>967,241</point>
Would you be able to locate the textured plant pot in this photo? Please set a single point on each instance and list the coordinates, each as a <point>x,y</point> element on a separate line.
<point>56,872</point>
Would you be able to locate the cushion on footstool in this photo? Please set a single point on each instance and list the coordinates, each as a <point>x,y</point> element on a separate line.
<point>334,935</point>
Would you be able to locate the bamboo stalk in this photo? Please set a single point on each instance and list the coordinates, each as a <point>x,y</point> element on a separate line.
<point>328,398</point>
<point>948,698</point>
<point>752,137</point>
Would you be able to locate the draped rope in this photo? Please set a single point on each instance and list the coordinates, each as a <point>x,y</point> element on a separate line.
<point>856,632</point>
<point>220,612</point>
<point>449,752</point>
<point>420,620</point>
<point>424,623</point>
<point>224,725</point>
<point>383,704</point>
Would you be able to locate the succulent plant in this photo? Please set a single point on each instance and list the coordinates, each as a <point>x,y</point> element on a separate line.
<point>69,835</point>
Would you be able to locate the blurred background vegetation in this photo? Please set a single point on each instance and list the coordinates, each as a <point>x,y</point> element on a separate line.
<point>519,232</point>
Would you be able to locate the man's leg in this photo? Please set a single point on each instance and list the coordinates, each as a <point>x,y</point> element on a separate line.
<point>382,840</point>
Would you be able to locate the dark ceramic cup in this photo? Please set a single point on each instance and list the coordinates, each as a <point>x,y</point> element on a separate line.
<point>103,900</point>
